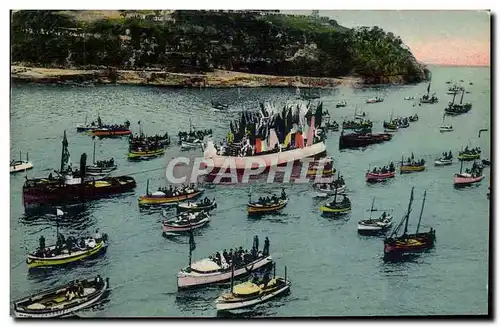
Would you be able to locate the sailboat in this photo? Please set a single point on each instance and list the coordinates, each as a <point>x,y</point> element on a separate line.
<point>391,125</point>
<point>454,109</point>
<point>374,226</point>
<point>89,127</point>
<point>215,269</point>
<point>409,243</point>
<point>429,99</point>
<point>102,167</point>
<point>335,207</point>
<point>445,128</point>
<point>191,142</point>
<point>20,165</point>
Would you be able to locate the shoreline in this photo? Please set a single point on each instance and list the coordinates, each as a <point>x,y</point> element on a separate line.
<point>216,79</point>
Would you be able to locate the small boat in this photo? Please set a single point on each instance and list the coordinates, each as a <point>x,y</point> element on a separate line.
<point>185,222</point>
<point>51,256</point>
<point>454,109</point>
<point>274,205</point>
<point>323,166</point>
<point>341,104</point>
<point>160,197</point>
<point>445,160</point>
<point>413,118</point>
<point>20,165</point>
<point>88,127</point>
<point>101,167</point>
<point>192,144</point>
<point>335,207</point>
<point>330,189</point>
<point>409,98</point>
<point>203,205</point>
<point>145,154</point>
<point>446,128</point>
<point>475,175</point>
<point>403,123</point>
<point>112,131</point>
<point>486,162</point>
<point>219,106</point>
<point>356,140</point>
<point>427,98</point>
<point>379,175</point>
<point>411,165</point>
<point>375,100</point>
<point>216,270</point>
<point>251,293</point>
<point>331,126</point>
<point>63,300</point>
<point>409,243</point>
<point>374,226</point>
<point>469,155</point>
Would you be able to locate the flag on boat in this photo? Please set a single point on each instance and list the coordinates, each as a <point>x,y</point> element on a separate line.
<point>258,145</point>
<point>299,140</point>
<point>192,244</point>
<point>288,138</point>
<point>60,212</point>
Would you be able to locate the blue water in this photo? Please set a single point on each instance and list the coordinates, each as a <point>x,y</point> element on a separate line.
<point>334,271</point>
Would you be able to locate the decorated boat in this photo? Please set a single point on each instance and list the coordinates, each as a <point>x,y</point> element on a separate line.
<point>375,226</point>
<point>251,293</point>
<point>411,165</point>
<point>409,243</point>
<point>20,165</point>
<point>169,196</point>
<point>470,176</point>
<point>203,205</point>
<point>469,154</point>
<point>216,269</point>
<point>356,140</point>
<point>380,174</point>
<point>185,222</point>
<point>69,186</point>
<point>267,205</point>
<point>335,207</point>
<point>63,300</point>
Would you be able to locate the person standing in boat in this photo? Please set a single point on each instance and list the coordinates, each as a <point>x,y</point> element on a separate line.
<point>97,235</point>
<point>283,194</point>
<point>265,251</point>
<point>42,244</point>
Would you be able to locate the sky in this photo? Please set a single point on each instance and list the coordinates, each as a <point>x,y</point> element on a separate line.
<point>444,37</point>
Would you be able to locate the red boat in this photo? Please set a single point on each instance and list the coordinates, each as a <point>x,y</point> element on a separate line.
<point>469,177</point>
<point>377,177</point>
<point>68,186</point>
<point>409,243</point>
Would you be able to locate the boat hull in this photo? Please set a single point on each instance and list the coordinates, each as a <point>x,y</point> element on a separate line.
<point>468,157</point>
<point>169,228</point>
<point>356,141</point>
<point>37,262</point>
<point>462,181</point>
<point>185,208</point>
<point>195,279</point>
<point>21,167</point>
<point>443,162</point>
<point>374,177</point>
<point>411,169</point>
<point>261,210</point>
<point>372,230</point>
<point>110,133</point>
<point>138,155</point>
<point>236,305</point>
<point>152,200</point>
<point>421,242</point>
<point>96,171</point>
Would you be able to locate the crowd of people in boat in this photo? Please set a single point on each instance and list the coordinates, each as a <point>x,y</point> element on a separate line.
<point>187,218</point>
<point>384,169</point>
<point>355,124</point>
<point>195,134</point>
<point>412,162</point>
<point>67,245</point>
<point>105,163</point>
<point>141,140</point>
<point>339,182</point>
<point>268,201</point>
<point>473,151</point>
<point>241,257</point>
<point>476,169</point>
<point>446,156</point>
<point>177,191</point>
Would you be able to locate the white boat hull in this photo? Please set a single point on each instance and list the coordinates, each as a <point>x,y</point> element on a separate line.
<point>443,162</point>
<point>331,191</point>
<point>227,306</point>
<point>22,167</point>
<point>192,279</point>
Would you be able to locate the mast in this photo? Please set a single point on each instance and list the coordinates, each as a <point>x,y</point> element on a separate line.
<point>371,210</point>
<point>421,211</point>
<point>461,165</point>
<point>408,212</point>
<point>93,156</point>
<point>64,152</point>
<point>147,187</point>
<point>20,158</point>
<point>454,95</point>
<point>461,98</point>
<point>335,197</point>
<point>85,119</point>
<point>27,158</point>
<point>232,273</point>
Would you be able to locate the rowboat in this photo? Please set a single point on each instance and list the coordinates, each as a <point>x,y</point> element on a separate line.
<point>411,168</point>
<point>159,197</point>
<point>335,207</point>
<point>252,293</point>
<point>375,226</point>
<point>467,179</point>
<point>197,207</point>
<point>255,208</point>
<point>443,162</point>
<point>48,258</point>
<point>139,155</point>
<point>185,145</point>
<point>20,165</point>
<point>374,100</point>
<point>378,177</point>
<point>185,222</point>
<point>468,156</point>
<point>330,190</point>
<point>109,132</point>
<point>62,301</point>
<point>446,128</point>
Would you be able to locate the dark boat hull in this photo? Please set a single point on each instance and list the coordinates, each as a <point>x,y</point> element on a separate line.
<point>356,141</point>
<point>62,193</point>
<point>425,242</point>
